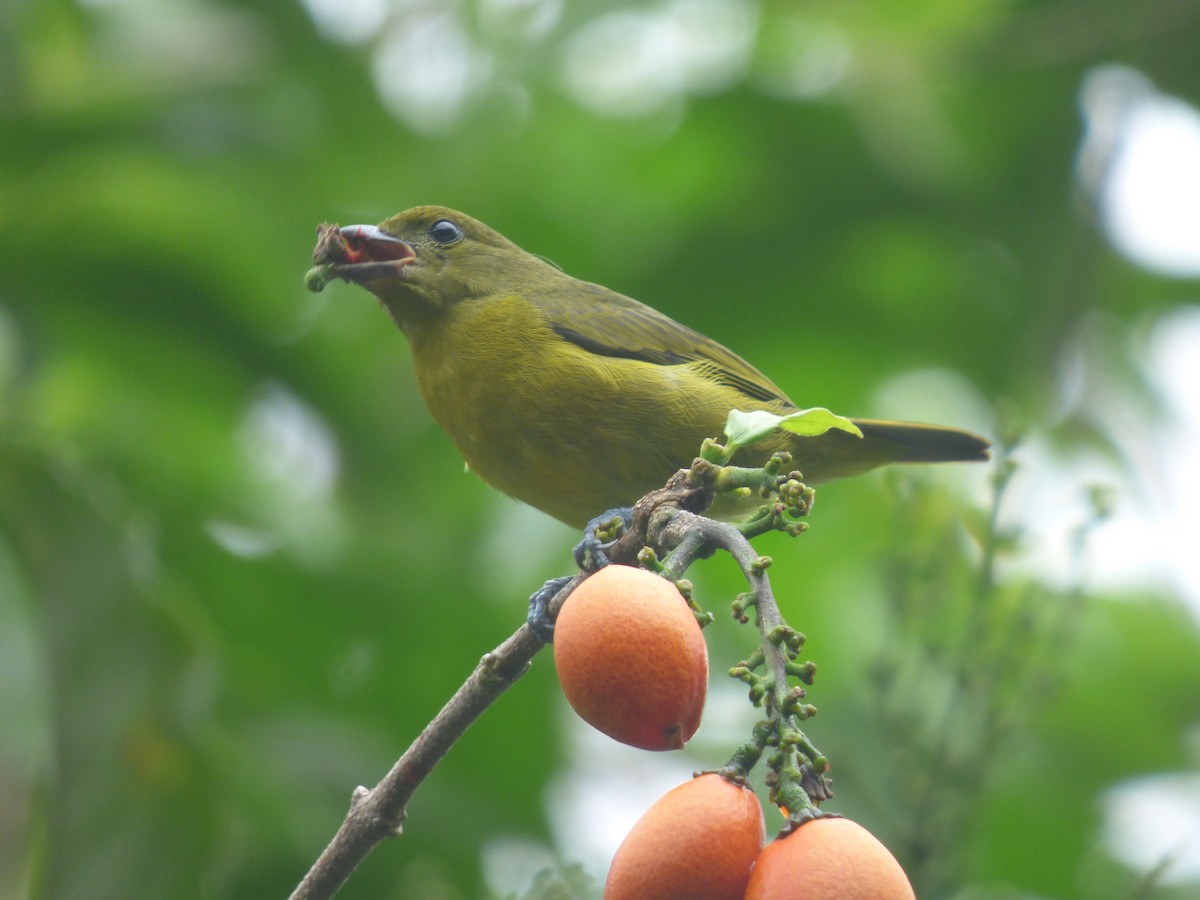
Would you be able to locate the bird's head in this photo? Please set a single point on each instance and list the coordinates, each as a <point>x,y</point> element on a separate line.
<point>425,259</point>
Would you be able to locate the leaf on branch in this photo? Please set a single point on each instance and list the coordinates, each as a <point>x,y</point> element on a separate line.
<point>742,428</point>
<point>818,420</point>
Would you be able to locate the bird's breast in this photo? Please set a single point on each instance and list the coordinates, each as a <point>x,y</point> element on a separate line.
<point>547,422</point>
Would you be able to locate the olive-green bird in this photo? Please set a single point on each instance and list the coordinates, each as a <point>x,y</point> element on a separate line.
<point>564,394</point>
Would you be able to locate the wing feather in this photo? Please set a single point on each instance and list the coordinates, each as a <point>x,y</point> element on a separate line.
<point>617,326</point>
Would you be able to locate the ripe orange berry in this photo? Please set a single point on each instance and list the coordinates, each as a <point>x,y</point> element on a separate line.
<point>697,842</point>
<point>828,859</point>
<point>631,659</point>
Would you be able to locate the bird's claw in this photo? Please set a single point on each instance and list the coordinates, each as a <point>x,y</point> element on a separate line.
<point>591,553</point>
<point>539,613</point>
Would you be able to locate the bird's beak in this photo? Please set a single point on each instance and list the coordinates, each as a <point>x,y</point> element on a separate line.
<point>362,253</point>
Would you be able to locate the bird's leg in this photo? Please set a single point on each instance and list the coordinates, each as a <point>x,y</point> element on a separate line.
<point>591,553</point>
<point>539,617</point>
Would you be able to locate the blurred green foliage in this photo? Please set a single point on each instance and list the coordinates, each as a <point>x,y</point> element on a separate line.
<point>240,567</point>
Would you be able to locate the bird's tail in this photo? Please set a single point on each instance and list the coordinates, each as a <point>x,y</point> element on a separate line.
<point>837,454</point>
<point>913,442</point>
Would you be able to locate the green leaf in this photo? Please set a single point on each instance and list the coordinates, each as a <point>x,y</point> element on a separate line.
<point>742,428</point>
<point>818,420</point>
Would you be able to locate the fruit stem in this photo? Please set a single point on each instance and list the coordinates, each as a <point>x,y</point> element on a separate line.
<point>692,536</point>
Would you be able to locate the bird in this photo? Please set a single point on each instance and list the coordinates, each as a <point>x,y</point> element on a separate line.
<point>569,396</point>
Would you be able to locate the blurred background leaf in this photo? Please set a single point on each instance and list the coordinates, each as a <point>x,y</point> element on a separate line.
<point>240,567</point>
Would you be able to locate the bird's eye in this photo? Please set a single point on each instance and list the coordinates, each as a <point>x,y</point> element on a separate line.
<point>445,232</point>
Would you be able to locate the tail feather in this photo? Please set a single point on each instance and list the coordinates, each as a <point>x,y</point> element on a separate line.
<point>914,442</point>
<point>837,454</point>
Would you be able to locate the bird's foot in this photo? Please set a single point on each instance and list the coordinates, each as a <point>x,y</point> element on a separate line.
<point>599,535</point>
<point>591,554</point>
<point>539,608</point>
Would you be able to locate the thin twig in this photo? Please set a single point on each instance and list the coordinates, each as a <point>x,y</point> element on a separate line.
<point>692,537</point>
<point>377,813</point>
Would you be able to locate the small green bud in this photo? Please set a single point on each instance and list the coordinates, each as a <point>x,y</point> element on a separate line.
<point>317,277</point>
<point>761,564</point>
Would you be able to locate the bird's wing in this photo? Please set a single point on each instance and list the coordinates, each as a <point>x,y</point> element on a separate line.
<point>611,324</point>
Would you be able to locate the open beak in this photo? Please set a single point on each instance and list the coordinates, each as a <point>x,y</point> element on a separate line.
<point>362,253</point>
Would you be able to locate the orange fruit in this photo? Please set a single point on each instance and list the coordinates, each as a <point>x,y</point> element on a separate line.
<point>631,659</point>
<point>828,859</point>
<point>697,842</point>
